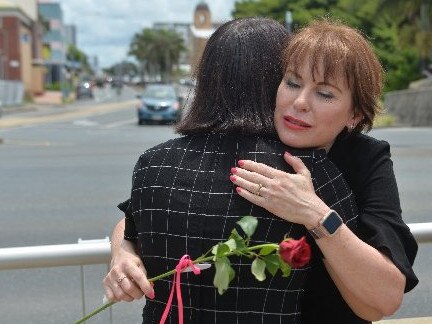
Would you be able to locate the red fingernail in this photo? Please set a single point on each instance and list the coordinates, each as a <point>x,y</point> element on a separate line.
<point>151,295</point>
<point>288,153</point>
<point>233,178</point>
<point>238,189</point>
<point>233,170</point>
<point>240,162</point>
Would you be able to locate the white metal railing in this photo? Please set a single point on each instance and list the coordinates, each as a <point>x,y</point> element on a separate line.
<point>44,256</point>
<point>99,252</point>
<point>88,252</point>
<point>422,232</point>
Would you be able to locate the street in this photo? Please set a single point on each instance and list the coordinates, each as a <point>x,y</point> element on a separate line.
<point>61,181</point>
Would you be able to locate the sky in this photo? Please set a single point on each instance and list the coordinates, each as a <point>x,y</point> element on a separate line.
<point>106,27</point>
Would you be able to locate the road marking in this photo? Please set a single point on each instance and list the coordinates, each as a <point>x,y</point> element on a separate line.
<point>121,123</point>
<point>85,122</point>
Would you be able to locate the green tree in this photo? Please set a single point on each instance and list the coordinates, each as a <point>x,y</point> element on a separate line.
<point>415,25</point>
<point>304,10</point>
<point>398,29</point>
<point>157,51</point>
<point>400,62</point>
<point>74,54</point>
<point>123,68</point>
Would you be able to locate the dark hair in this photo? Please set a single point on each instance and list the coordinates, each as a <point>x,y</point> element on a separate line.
<point>237,79</point>
<point>344,51</point>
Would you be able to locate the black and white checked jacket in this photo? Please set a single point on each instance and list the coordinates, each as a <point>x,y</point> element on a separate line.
<point>182,202</point>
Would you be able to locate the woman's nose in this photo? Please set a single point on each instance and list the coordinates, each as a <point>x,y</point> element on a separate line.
<point>301,102</point>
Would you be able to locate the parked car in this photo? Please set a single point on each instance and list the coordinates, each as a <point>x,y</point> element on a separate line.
<point>159,103</point>
<point>84,89</point>
<point>117,83</point>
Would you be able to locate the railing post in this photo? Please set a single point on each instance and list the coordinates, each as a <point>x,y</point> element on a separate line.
<point>110,309</point>
<point>83,303</point>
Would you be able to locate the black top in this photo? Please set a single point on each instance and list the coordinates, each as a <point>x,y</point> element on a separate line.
<point>182,202</point>
<point>366,165</point>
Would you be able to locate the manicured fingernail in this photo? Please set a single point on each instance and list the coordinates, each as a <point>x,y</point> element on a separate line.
<point>238,189</point>
<point>151,295</point>
<point>240,162</point>
<point>288,153</point>
<point>233,178</point>
<point>233,170</point>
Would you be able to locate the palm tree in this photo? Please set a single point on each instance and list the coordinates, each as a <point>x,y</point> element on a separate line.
<point>158,50</point>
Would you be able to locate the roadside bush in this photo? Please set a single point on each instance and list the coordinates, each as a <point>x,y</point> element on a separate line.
<point>52,86</point>
<point>402,67</point>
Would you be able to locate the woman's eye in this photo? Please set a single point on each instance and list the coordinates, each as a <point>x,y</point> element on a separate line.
<point>326,95</point>
<point>292,84</point>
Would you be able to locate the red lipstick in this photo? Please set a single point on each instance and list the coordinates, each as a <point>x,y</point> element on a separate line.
<point>296,124</point>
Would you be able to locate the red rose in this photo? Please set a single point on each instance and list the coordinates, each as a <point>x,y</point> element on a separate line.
<point>296,253</point>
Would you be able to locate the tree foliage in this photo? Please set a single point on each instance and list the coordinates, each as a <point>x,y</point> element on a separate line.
<point>74,54</point>
<point>157,51</point>
<point>124,68</point>
<point>400,30</point>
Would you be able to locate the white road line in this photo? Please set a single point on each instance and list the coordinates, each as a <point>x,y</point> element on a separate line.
<point>85,122</point>
<point>121,123</point>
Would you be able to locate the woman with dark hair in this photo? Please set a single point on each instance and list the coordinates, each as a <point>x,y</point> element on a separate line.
<point>238,79</point>
<point>182,202</point>
<point>330,93</point>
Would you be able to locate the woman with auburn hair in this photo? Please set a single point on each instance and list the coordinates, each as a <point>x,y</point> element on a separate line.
<point>183,203</point>
<point>330,93</point>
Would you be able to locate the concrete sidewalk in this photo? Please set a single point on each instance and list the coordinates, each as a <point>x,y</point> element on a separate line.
<point>415,320</point>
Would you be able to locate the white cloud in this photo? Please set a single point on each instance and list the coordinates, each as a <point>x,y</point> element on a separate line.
<point>106,27</point>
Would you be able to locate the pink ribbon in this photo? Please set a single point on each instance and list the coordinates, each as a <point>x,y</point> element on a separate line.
<point>184,262</point>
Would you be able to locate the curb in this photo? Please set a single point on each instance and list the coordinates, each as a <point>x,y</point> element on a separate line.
<point>6,111</point>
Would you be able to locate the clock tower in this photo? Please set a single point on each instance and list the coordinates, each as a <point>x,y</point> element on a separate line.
<point>203,28</point>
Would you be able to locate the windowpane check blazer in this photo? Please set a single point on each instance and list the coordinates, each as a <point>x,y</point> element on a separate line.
<point>182,202</point>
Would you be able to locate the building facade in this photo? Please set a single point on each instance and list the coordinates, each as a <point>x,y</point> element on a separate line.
<point>195,35</point>
<point>54,44</point>
<point>202,29</point>
<point>21,45</point>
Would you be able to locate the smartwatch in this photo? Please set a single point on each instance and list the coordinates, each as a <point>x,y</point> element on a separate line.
<point>327,226</point>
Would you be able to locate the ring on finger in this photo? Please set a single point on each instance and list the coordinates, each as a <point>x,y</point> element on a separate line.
<point>121,278</point>
<point>260,186</point>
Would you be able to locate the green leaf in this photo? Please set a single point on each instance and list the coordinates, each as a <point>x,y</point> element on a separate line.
<point>224,274</point>
<point>258,269</point>
<point>220,249</point>
<point>248,224</point>
<point>231,243</point>
<point>285,267</point>
<point>214,249</point>
<point>268,249</point>
<point>272,263</point>
<point>240,242</point>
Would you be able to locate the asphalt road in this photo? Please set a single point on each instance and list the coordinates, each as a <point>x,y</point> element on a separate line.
<point>61,181</point>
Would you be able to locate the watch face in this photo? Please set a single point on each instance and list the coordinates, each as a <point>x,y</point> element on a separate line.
<point>332,222</point>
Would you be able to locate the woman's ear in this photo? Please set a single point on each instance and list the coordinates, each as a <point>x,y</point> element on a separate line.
<point>354,121</point>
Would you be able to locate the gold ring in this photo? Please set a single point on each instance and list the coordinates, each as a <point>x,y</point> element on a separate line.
<point>119,280</point>
<point>260,186</point>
